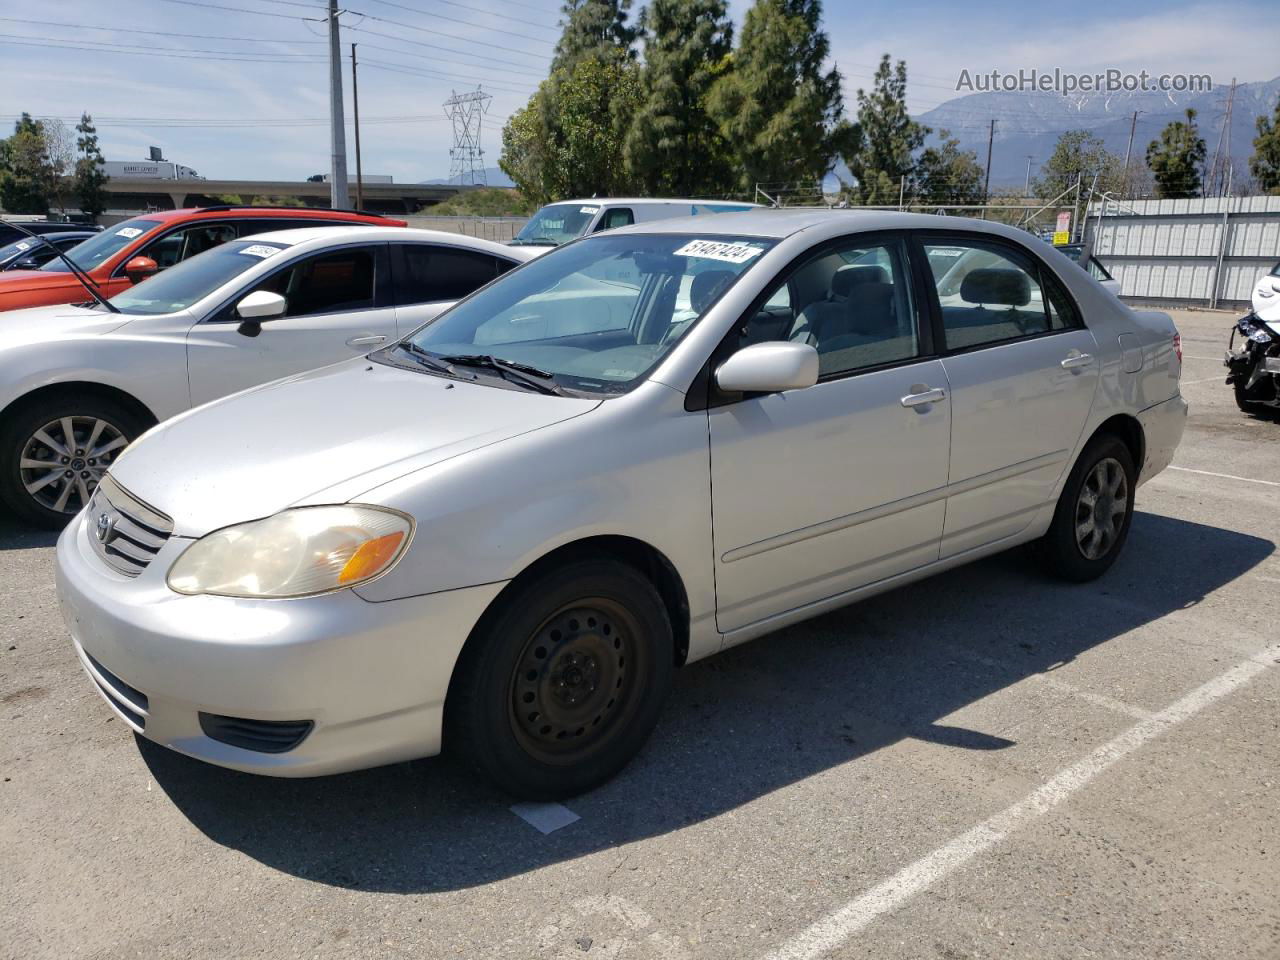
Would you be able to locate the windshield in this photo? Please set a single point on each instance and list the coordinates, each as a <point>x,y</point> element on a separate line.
<point>102,247</point>
<point>18,248</point>
<point>556,224</point>
<point>596,316</point>
<point>194,279</point>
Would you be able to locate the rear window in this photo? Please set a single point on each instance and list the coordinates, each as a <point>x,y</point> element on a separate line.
<point>98,249</point>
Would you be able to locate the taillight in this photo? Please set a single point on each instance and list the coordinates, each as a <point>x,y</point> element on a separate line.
<point>1177,348</point>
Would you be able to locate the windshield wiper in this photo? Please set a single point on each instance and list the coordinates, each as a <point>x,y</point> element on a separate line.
<point>509,370</point>
<point>536,241</point>
<point>86,281</point>
<point>429,359</point>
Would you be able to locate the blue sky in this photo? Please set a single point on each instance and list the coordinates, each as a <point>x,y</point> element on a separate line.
<point>253,104</point>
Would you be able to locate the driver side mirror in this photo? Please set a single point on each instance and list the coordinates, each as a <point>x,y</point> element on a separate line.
<point>770,367</point>
<point>256,307</point>
<point>139,268</point>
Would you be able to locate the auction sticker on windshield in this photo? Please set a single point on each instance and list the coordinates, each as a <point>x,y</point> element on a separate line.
<point>128,232</point>
<point>259,250</point>
<point>718,250</point>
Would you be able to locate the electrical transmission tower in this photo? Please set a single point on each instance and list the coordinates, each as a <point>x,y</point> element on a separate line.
<point>466,156</point>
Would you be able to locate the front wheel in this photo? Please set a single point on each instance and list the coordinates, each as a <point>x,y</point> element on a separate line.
<point>54,452</point>
<point>1091,522</point>
<point>560,686</point>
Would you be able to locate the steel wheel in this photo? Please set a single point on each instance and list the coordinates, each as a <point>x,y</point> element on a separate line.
<point>1101,508</point>
<point>62,463</point>
<point>574,680</point>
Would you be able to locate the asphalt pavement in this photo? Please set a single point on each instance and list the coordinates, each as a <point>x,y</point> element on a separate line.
<point>989,763</point>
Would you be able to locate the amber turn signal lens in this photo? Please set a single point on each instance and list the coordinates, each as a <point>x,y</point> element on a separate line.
<point>371,557</point>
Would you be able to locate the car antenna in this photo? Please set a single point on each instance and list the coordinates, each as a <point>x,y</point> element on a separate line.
<point>85,280</point>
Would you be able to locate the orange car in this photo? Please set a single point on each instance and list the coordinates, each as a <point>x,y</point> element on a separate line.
<point>130,252</point>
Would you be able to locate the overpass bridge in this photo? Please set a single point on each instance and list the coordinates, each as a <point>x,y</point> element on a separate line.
<point>152,194</point>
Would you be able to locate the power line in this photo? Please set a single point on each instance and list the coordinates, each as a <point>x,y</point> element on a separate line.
<point>256,13</point>
<point>422,43</point>
<point>467,23</point>
<point>189,55</point>
<point>416,72</point>
<point>152,33</point>
<point>439,33</point>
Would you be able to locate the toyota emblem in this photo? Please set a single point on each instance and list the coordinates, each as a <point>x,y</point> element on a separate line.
<point>103,527</point>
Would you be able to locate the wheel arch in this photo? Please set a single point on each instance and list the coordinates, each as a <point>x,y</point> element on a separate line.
<point>81,388</point>
<point>1128,429</point>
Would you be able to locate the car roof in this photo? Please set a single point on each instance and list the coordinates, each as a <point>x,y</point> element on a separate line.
<point>642,201</point>
<point>296,236</point>
<point>777,224</point>
<point>236,212</point>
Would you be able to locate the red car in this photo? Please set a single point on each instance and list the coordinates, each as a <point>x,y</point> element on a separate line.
<point>130,252</point>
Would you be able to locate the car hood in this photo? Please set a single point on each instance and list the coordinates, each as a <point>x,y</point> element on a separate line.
<point>47,323</point>
<point>321,437</point>
<point>20,281</point>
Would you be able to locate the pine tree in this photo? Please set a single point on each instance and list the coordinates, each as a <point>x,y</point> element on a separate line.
<point>89,176</point>
<point>28,178</point>
<point>1177,158</point>
<point>674,146</point>
<point>779,109</point>
<point>594,28</point>
<point>945,174</point>
<point>884,139</point>
<point>1265,162</point>
<point>1079,156</point>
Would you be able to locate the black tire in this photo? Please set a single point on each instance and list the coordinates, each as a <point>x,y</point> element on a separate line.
<point>560,684</point>
<point>1237,388</point>
<point>1081,556</point>
<point>19,431</point>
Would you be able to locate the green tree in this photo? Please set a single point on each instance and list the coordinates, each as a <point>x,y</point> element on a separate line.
<point>29,178</point>
<point>884,140</point>
<point>90,180</point>
<point>526,151</point>
<point>945,174</point>
<point>593,28</point>
<point>778,106</point>
<point>1177,158</point>
<point>1265,162</point>
<point>1079,156</point>
<point>674,146</point>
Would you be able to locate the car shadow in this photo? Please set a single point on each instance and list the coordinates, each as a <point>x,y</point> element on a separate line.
<point>16,535</point>
<point>737,726</point>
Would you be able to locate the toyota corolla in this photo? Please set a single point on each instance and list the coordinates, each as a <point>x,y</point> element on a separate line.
<point>501,535</point>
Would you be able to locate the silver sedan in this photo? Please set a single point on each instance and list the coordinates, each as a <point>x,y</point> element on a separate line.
<point>502,534</point>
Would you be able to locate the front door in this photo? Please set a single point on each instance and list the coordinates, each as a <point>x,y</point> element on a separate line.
<point>1023,372</point>
<point>337,308</point>
<point>819,491</point>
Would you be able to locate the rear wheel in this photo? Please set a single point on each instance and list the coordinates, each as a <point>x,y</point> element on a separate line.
<point>54,452</point>
<point>561,685</point>
<point>1091,522</point>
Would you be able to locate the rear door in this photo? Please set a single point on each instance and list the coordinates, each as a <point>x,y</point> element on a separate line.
<point>429,277</point>
<point>1023,371</point>
<point>339,306</point>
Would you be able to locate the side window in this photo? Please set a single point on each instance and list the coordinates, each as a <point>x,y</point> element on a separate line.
<point>991,294</point>
<point>178,246</point>
<point>852,302</point>
<point>431,274</point>
<point>327,283</point>
<point>617,217</point>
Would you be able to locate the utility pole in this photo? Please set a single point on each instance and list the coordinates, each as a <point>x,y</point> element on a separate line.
<point>355,107</point>
<point>1133,126</point>
<point>1223,134</point>
<point>338,196</point>
<point>986,184</point>
<point>1026,187</point>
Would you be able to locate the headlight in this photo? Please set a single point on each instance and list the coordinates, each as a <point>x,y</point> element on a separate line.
<point>1256,333</point>
<point>296,553</point>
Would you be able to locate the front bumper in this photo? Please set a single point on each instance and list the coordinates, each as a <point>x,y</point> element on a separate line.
<point>370,677</point>
<point>1162,426</point>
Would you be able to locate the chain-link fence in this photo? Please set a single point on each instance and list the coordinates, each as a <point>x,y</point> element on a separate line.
<point>498,229</point>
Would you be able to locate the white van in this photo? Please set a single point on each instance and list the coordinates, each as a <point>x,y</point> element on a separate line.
<point>558,223</point>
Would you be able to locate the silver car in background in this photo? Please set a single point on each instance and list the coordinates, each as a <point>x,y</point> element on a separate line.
<point>501,535</point>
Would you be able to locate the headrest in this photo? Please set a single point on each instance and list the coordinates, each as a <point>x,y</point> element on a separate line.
<point>707,286</point>
<point>850,276</point>
<point>998,285</point>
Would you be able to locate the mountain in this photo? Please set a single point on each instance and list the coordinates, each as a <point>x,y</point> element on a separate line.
<point>494,175</point>
<point>1031,122</point>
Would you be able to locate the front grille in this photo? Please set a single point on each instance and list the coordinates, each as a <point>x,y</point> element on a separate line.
<point>125,532</point>
<point>131,702</point>
<point>262,736</point>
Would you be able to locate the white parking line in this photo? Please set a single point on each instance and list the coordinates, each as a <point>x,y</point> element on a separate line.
<point>1097,699</point>
<point>1187,356</point>
<point>545,817</point>
<point>1226,476</point>
<point>835,929</point>
<point>1186,383</point>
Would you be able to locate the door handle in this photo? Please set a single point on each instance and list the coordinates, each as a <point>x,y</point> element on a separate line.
<point>924,397</point>
<point>1077,360</point>
<point>370,341</point>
